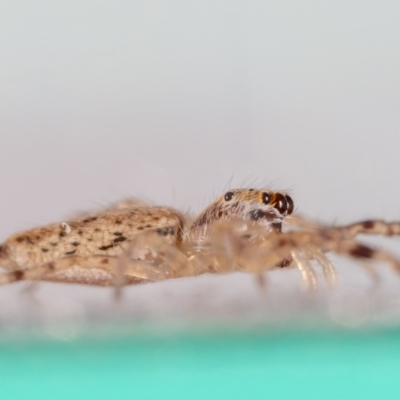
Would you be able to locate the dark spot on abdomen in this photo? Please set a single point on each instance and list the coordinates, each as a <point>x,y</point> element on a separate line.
<point>45,250</point>
<point>166,231</point>
<point>75,244</point>
<point>25,239</point>
<point>89,219</point>
<point>106,247</point>
<point>119,239</point>
<point>70,253</point>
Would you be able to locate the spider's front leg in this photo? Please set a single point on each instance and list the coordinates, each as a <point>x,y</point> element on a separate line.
<point>370,227</point>
<point>315,243</point>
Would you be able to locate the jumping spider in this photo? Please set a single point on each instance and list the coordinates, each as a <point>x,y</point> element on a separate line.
<point>133,242</point>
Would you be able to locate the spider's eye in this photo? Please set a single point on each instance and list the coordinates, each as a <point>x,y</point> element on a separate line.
<point>290,204</point>
<point>280,203</point>
<point>265,198</point>
<point>228,196</point>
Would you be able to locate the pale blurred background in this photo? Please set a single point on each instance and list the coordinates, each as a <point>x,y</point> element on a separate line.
<point>173,101</point>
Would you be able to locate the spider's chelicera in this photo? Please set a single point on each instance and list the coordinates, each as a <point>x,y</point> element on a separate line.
<point>245,229</point>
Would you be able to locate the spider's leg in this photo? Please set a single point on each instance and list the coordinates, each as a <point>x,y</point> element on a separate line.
<point>327,240</point>
<point>370,270</point>
<point>151,257</point>
<point>152,247</point>
<point>327,266</point>
<point>261,280</point>
<point>234,245</point>
<point>306,269</point>
<point>138,270</point>
<point>360,251</point>
<point>263,252</point>
<point>370,227</point>
<point>224,246</point>
<point>49,271</point>
<point>324,240</point>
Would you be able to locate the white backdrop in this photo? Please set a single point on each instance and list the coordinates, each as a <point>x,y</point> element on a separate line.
<point>172,100</point>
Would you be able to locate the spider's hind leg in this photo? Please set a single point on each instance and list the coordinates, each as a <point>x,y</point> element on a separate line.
<point>92,270</point>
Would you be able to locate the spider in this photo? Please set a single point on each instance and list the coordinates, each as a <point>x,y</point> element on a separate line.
<point>133,242</point>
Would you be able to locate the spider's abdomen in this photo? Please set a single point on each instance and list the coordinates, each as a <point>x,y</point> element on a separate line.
<point>106,233</point>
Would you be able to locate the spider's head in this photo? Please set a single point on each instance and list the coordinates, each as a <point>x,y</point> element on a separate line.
<point>265,207</point>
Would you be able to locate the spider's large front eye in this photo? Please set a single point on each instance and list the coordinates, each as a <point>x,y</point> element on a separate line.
<point>265,198</point>
<point>228,196</point>
<point>290,204</point>
<point>280,203</point>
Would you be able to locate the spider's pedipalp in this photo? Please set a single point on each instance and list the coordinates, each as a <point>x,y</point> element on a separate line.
<point>327,267</point>
<point>306,269</point>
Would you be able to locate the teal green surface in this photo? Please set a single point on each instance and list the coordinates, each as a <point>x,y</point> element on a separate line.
<point>223,365</point>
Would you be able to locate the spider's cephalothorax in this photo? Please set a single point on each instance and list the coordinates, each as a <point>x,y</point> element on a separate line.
<point>248,214</point>
<point>264,207</point>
